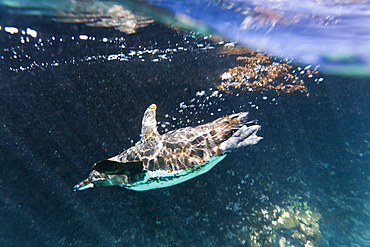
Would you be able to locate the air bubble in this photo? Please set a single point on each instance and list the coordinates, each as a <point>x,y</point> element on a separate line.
<point>83,37</point>
<point>11,30</point>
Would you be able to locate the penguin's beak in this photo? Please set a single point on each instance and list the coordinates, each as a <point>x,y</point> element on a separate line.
<point>85,184</point>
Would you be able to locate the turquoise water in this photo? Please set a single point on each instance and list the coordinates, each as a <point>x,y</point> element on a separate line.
<point>72,94</point>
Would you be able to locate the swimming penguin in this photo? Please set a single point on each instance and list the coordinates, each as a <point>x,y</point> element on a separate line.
<point>158,161</point>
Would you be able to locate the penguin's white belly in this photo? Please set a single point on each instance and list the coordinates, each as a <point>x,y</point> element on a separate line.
<point>161,178</point>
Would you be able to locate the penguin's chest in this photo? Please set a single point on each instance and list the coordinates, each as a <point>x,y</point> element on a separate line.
<point>162,178</point>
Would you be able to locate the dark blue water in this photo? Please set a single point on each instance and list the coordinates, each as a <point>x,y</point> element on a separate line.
<point>72,101</point>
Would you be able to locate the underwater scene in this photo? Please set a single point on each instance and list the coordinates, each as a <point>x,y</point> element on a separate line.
<point>80,87</point>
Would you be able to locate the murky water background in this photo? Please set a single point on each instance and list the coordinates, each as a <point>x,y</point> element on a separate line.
<point>72,95</point>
